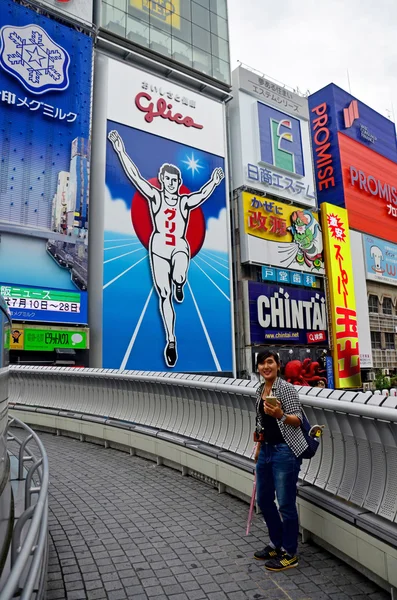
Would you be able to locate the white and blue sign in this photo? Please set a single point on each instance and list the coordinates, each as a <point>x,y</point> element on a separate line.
<point>45,103</point>
<point>166,253</point>
<point>290,277</point>
<point>282,314</point>
<point>380,260</point>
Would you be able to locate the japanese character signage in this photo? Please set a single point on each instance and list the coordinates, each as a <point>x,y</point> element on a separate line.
<point>160,11</point>
<point>166,261</point>
<point>271,141</point>
<point>45,101</point>
<point>45,305</point>
<point>47,339</point>
<point>380,260</point>
<point>282,314</point>
<point>345,346</point>
<point>290,277</point>
<point>280,234</point>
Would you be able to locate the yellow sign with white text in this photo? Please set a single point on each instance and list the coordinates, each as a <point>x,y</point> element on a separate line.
<point>290,236</point>
<point>339,268</point>
<point>163,10</point>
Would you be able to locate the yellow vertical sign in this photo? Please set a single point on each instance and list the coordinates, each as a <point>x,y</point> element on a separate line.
<point>339,269</point>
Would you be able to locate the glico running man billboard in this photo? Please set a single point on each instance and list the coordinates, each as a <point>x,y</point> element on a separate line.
<point>166,263</point>
<point>270,139</point>
<point>45,99</point>
<point>355,160</point>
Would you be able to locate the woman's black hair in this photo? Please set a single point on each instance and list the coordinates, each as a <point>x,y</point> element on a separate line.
<point>262,356</point>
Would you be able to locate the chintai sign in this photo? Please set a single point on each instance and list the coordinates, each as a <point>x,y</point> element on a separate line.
<point>282,314</point>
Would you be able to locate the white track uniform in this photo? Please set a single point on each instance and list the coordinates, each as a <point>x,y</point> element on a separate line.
<point>169,230</point>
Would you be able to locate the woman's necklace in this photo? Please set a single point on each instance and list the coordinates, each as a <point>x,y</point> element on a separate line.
<point>267,389</point>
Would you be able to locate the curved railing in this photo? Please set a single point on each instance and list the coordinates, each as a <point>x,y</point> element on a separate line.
<point>358,455</point>
<point>29,545</point>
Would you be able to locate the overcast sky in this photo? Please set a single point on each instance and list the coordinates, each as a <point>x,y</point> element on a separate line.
<point>310,43</point>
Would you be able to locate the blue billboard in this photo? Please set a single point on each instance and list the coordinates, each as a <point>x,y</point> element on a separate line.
<point>380,260</point>
<point>45,99</point>
<point>281,314</point>
<point>333,112</point>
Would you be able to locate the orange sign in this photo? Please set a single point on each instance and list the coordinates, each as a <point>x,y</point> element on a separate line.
<point>339,268</point>
<point>370,189</point>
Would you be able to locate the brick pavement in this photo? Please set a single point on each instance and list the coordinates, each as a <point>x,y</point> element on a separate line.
<point>122,527</point>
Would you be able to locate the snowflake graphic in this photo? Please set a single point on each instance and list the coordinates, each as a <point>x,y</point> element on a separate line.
<point>31,55</point>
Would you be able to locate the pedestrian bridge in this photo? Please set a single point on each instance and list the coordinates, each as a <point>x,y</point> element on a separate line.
<point>202,426</point>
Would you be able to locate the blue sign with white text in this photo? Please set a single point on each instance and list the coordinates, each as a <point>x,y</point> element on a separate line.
<point>287,276</point>
<point>282,314</point>
<point>45,102</point>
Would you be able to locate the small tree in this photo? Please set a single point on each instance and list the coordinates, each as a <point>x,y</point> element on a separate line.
<point>382,382</point>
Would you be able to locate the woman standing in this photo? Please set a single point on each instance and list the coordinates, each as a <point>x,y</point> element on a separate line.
<point>280,444</point>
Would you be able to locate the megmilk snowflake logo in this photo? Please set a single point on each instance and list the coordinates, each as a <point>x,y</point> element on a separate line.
<point>29,54</point>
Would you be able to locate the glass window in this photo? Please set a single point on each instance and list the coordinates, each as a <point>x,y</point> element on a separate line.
<point>138,31</point>
<point>220,70</point>
<point>201,38</point>
<point>202,61</point>
<point>220,47</point>
<point>184,8</point>
<point>182,29</point>
<point>120,4</point>
<point>114,20</point>
<point>219,26</point>
<point>160,41</point>
<point>201,16</point>
<point>387,306</point>
<point>219,7</point>
<point>373,303</point>
<point>376,340</point>
<point>182,52</point>
<point>205,3</point>
<point>389,339</point>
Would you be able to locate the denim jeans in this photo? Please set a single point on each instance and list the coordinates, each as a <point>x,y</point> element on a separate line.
<point>277,472</point>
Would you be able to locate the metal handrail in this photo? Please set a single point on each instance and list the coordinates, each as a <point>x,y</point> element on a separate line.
<point>35,542</point>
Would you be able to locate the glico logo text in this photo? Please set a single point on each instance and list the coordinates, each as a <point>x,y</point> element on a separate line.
<point>143,102</point>
<point>323,159</point>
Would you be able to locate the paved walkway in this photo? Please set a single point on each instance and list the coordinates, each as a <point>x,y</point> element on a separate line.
<point>122,527</point>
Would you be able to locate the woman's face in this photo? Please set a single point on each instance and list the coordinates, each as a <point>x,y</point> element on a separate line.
<point>268,369</point>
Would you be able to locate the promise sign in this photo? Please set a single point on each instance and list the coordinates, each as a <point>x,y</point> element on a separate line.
<point>339,268</point>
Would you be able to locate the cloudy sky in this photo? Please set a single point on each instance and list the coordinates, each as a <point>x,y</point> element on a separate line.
<point>310,43</point>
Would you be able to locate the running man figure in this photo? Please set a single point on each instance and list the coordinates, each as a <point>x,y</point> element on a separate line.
<point>169,251</point>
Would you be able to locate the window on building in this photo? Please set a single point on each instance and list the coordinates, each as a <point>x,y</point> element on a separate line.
<point>376,342</point>
<point>387,306</point>
<point>389,340</point>
<point>373,303</point>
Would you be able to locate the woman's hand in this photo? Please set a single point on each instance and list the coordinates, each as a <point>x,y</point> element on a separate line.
<point>274,411</point>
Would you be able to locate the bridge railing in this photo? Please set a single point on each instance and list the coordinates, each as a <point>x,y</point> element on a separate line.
<point>357,460</point>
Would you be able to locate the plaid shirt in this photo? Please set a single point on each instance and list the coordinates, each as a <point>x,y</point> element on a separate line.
<point>289,398</point>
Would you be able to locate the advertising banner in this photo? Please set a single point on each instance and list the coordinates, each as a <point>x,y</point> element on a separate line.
<point>160,11</point>
<point>380,260</point>
<point>47,339</point>
<point>38,304</point>
<point>45,99</point>
<point>286,315</point>
<point>355,156</point>
<point>166,263</point>
<point>271,142</point>
<point>345,346</point>
<point>280,234</point>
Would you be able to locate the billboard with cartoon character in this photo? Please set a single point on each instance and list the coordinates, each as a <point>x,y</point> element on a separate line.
<point>380,260</point>
<point>166,252</point>
<point>281,235</point>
